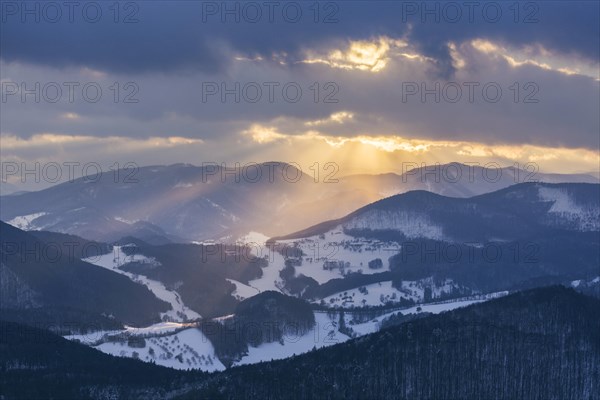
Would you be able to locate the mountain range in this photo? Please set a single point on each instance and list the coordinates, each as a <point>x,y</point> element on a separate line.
<point>428,246</point>
<point>131,264</point>
<point>162,204</point>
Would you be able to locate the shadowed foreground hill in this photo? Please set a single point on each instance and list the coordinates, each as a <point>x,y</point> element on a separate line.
<point>539,344</point>
<point>37,364</point>
<point>47,283</point>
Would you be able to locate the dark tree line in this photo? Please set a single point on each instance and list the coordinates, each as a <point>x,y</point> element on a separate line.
<point>540,344</point>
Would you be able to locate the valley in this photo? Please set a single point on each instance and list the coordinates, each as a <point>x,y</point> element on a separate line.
<point>299,200</point>
<point>252,298</point>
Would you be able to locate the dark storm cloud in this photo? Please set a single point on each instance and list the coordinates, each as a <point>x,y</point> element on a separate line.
<point>564,112</point>
<point>564,27</point>
<point>172,36</point>
<point>162,39</point>
<point>170,53</point>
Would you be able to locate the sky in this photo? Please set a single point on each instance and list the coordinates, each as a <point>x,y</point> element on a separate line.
<point>368,85</point>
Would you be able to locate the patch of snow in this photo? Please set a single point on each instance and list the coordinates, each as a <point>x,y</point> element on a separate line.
<point>324,333</point>
<point>433,308</point>
<point>584,282</point>
<point>25,222</point>
<point>183,185</point>
<point>568,211</point>
<point>156,329</point>
<point>92,338</point>
<point>208,242</point>
<point>371,295</point>
<point>223,318</point>
<point>243,291</point>
<point>381,293</point>
<point>126,221</point>
<point>354,253</point>
<point>412,225</point>
<point>187,349</point>
<point>335,246</point>
<point>562,202</point>
<point>161,328</point>
<point>254,238</point>
<point>258,247</point>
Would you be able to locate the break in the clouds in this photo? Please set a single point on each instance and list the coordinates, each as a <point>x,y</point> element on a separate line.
<point>182,80</point>
<point>176,35</point>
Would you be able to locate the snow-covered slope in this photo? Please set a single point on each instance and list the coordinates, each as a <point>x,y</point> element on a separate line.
<point>117,258</point>
<point>168,344</point>
<point>410,224</point>
<point>354,253</point>
<point>27,222</point>
<point>187,349</point>
<point>568,212</point>
<point>324,333</point>
<point>326,330</point>
<point>382,293</point>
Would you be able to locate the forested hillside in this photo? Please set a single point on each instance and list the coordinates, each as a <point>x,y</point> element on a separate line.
<point>539,344</point>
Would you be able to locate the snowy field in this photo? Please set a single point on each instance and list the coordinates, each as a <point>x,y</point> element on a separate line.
<point>355,253</point>
<point>186,349</point>
<point>270,277</point>
<point>324,333</point>
<point>382,293</point>
<point>579,282</point>
<point>564,205</point>
<point>336,246</point>
<point>433,308</point>
<point>25,222</point>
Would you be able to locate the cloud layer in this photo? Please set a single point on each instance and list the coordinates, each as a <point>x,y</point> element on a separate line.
<point>393,78</point>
